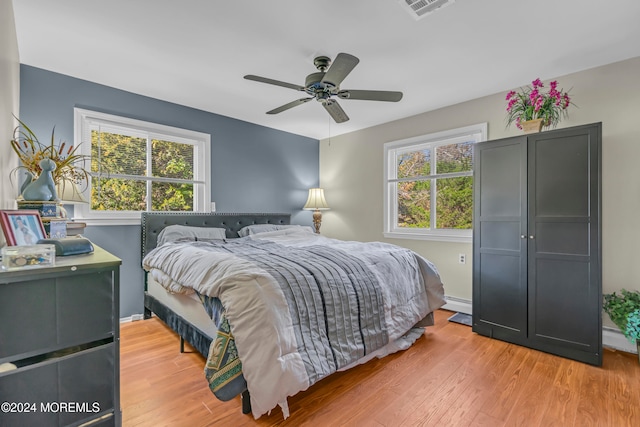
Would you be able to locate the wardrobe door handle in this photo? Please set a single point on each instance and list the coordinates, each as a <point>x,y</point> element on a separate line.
<point>523,236</point>
<point>531,237</point>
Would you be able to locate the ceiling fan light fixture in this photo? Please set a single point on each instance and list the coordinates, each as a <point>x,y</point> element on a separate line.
<point>325,83</point>
<point>421,8</point>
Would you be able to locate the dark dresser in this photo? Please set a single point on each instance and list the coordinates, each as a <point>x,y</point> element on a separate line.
<point>59,328</point>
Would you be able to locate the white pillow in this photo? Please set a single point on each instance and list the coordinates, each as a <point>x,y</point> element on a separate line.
<point>264,228</point>
<point>177,232</point>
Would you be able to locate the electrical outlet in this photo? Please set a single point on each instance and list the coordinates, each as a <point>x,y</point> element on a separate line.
<point>462,259</point>
<point>213,206</point>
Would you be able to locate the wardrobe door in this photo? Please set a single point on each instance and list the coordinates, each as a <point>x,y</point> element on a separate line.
<point>500,239</point>
<point>565,289</point>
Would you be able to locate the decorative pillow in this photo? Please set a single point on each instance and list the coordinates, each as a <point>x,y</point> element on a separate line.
<point>178,232</point>
<point>264,228</point>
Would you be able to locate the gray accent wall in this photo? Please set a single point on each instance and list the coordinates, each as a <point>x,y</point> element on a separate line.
<point>253,168</point>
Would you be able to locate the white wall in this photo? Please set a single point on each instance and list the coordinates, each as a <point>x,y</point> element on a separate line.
<point>9,100</point>
<point>351,172</point>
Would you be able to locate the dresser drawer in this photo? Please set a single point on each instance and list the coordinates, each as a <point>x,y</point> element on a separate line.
<point>62,391</point>
<point>54,313</point>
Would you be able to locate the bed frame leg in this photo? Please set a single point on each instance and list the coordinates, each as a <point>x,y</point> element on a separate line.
<point>181,345</point>
<point>246,402</point>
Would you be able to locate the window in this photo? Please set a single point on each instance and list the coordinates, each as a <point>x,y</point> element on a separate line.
<point>428,190</point>
<point>139,166</point>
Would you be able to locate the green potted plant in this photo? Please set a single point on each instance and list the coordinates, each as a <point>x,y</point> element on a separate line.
<point>624,311</point>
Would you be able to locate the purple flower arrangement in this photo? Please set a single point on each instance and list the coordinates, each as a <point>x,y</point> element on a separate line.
<point>532,103</point>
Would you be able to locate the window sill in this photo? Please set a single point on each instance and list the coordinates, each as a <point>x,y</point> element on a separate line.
<point>108,221</point>
<point>454,238</point>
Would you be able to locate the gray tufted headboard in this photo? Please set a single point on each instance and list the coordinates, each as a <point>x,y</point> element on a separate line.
<point>154,222</point>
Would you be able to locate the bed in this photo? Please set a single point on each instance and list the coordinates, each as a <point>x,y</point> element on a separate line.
<point>275,307</point>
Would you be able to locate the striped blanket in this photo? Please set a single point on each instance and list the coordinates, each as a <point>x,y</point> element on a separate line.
<point>301,306</point>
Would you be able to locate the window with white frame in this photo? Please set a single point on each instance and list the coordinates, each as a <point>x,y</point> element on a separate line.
<point>141,166</point>
<point>428,191</point>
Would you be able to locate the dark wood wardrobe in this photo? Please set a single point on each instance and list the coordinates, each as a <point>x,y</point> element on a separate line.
<point>537,273</point>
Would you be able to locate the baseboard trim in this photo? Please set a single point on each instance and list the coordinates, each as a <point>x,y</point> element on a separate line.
<point>457,304</point>
<point>131,318</point>
<point>615,339</point>
<point>611,337</point>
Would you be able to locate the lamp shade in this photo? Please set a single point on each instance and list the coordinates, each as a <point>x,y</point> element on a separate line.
<point>316,200</point>
<point>69,193</point>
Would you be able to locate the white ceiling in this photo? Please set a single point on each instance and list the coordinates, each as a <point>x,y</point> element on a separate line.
<point>196,52</point>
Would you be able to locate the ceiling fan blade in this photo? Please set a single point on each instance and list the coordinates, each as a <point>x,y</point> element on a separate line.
<point>334,109</point>
<point>289,105</point>
<point>371,95</point>
<point>340,68</point>
<point>273,82</point>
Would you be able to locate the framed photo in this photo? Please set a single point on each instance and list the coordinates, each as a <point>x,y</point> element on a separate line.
<point>57,229</point>
<point>21,227</point>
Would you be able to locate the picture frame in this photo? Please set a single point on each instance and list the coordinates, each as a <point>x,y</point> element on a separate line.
<point>57,229</point>
<point>22,227</point>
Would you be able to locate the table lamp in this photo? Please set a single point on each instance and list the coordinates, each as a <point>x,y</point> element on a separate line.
<point>316,203</point>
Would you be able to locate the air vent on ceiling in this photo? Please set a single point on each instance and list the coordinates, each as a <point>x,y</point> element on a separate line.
<point>421,8</point>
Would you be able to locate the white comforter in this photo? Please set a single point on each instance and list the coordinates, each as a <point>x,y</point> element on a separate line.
<point>259,315</point>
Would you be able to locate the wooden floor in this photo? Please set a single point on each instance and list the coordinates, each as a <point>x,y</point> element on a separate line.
<point>449,377</point>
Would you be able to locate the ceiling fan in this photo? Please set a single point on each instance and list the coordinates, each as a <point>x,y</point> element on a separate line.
<point>325,84</point>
